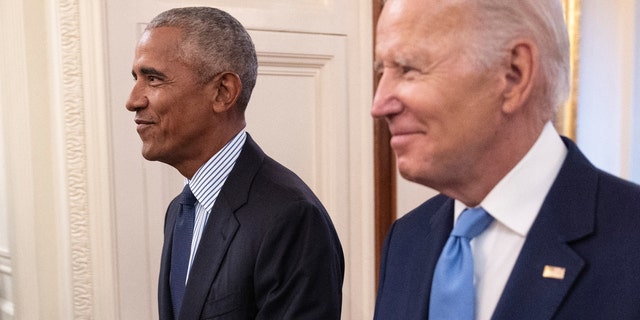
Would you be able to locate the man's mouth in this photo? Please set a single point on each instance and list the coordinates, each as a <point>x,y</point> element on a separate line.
<point>142,124</point>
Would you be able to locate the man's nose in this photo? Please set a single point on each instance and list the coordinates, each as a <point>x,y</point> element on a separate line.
<point>385,100</point>
<point>137,99</point>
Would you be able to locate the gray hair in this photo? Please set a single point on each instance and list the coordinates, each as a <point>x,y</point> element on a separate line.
<point>499,22</point>
<point>213,42</point>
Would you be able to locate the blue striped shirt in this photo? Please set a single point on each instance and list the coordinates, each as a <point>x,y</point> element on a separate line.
<point>207,182</point>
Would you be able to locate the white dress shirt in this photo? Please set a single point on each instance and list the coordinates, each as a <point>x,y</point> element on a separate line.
<point>206,184</point>
<point>514,203</point>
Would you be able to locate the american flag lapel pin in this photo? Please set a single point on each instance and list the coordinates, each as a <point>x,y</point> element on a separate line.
<point>553,272</point>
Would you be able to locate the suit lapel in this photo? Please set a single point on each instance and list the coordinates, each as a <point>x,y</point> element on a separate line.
<point>431,241</point>
<point>440,227</point>
<point>567,215</point>
<point>412,248</point>
<point>220,230</point>
<point>164,292</point>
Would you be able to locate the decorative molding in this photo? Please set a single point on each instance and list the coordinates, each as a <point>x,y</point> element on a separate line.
<point>6,310</point>
<point>5,263</point>
<point>309,66</point>
<point>5,269</point>
<point>75,157</point>
<point>283,59</point>
<point>318,62</point>
<point>6,289</point>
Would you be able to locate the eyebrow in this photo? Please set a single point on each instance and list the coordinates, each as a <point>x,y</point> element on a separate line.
<point>378,65</point>
<point>145,71</point>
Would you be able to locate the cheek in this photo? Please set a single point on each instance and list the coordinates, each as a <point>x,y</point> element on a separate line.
<point>427,98</point>
<point>414,90</point>
<point>174,110</point>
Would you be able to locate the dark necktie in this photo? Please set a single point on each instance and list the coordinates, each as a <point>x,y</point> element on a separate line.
<point>452,291</point>
<point>181,247</point>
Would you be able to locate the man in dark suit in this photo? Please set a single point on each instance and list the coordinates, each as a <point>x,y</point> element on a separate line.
<point>247,239</point>
<point>525,227</point>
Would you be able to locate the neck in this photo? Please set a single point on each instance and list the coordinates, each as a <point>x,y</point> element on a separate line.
<point>513,144</point>
<point>190,166</point>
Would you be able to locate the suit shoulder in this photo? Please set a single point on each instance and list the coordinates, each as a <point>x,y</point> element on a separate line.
<point>425,210</point>
<point>616,195</point>
<point>416,221</point>
<point>279,183</point>
<point>619,185</point>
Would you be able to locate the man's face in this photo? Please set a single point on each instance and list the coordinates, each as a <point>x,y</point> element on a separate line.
<point>442,108</point>
<point>173,109</point>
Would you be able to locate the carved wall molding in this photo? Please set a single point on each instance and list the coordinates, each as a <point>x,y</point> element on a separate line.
<point>75,157</point>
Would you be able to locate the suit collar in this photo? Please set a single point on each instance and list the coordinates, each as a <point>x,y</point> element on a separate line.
<point>441,223</point>
<point>566,216</point>
<point>207,182</point>
<point>236,188</point>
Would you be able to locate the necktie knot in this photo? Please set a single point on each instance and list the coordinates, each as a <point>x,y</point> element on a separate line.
<point>471,223</point>
<point>187,197</point>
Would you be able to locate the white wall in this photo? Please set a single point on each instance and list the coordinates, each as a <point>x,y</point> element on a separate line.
<point>609,91</point>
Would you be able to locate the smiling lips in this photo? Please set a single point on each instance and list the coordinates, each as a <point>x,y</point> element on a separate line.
<point>142,124</point>
<point>401,137</point>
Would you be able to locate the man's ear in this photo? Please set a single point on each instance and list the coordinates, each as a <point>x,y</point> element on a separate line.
<point>521,74</point>
<point>227,89</point>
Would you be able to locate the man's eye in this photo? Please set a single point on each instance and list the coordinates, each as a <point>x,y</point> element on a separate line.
<point>152,78</point>
<point>407,69</point>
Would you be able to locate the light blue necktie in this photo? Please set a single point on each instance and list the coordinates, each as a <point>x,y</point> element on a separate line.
<point>452,290</point>
<point>181,247</point>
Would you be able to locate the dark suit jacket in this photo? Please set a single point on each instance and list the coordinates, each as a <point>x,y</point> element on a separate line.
<point>269,250</point>
<point>589,224</point>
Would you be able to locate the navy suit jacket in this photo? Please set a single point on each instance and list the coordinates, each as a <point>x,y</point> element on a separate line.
<point>269,250</point>
<point>589,224</point>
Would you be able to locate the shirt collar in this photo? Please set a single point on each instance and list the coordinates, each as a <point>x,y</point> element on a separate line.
<point>516,200</point>
<point>208,180</point>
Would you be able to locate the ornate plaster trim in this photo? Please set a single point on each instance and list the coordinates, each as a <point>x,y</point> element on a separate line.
<point>75,157</point>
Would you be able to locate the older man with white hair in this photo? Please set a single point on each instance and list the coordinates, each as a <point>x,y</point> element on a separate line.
<point>525,227</point>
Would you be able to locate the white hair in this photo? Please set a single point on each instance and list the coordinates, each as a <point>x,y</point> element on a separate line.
<point>498,22</point>
<point>501,21</point>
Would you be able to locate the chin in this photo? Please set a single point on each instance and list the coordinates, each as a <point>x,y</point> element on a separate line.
<point>148,158</point>
<point>148,154</point>
<point>407,172</point>
<point>415,173</point>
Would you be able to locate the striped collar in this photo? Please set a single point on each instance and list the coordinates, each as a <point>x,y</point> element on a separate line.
<point>209,179</point>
